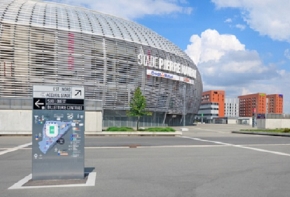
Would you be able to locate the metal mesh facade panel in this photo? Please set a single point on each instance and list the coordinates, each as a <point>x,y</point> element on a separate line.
<point>54,44</point>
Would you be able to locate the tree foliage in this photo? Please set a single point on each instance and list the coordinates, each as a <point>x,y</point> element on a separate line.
<point>137,106</point>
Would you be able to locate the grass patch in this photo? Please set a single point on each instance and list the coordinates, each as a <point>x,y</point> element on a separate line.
<point>279,130</point>
<point>152,129</point>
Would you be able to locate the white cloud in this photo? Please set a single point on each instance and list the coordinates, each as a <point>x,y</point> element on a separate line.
<point>212,46</point>
<point>287,53</point>
<point>225,63</point>
<point>268,17</point>
<point>132,9</point>
<point>229,20</point>
<point>241,27</point>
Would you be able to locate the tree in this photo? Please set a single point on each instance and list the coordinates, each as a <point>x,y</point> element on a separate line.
<point>137,106</point>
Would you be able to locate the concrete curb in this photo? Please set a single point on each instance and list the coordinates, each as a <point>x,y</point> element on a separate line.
<point>262,133</point>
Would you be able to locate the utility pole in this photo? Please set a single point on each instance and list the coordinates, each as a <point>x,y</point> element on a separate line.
<point>184,102</point>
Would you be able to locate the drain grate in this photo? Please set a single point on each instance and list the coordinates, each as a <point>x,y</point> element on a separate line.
<point>133,145</point>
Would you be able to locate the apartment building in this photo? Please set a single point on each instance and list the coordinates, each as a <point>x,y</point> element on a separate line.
<point>208,111</point>
<point>231,107</point>
<point>212,104</point>
<point>252,103</point>
<point>274,103</point>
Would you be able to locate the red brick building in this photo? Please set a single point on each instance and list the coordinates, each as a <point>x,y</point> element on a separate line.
<point>275,103</point>
<point>252,103</point>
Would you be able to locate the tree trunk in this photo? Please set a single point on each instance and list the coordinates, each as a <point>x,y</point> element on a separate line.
<point>138,123</point>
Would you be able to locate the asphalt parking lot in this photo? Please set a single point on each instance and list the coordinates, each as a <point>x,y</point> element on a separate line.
<point>207,160</point>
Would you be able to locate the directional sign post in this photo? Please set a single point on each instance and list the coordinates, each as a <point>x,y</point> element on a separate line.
<point>58,125</point>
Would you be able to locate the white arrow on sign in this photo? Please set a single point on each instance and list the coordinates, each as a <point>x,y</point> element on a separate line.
<point>37,103</point>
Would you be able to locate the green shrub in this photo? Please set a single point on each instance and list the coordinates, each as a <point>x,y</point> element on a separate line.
<point>286,130</point>
<point>120,129</point>
<point>152,129</point>
<point>277,130</point>
<point>162,129</point>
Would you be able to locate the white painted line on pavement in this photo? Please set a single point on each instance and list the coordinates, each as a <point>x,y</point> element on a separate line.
<point>238,146</point>
<point>223,132</point>
<point>15,148</point>
<point>100,147</point>
<point>182,146</point>
<point>19,185</point>
<point>170,146</point>
<point>268,144</point>
<point>164,146</point>
<point>107,147</point>
<point>91,179</point>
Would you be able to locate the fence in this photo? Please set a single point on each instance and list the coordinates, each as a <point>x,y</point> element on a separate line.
<point>277,116</point>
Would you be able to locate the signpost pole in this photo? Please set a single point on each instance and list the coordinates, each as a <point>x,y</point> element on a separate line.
<point>254,117</point>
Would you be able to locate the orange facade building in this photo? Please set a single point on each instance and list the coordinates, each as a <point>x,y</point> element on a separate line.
<point>275,103</point>
<point>215,96</point>
<point>252,103</point>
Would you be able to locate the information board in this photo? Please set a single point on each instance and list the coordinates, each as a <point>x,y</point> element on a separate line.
<point>58,126</point>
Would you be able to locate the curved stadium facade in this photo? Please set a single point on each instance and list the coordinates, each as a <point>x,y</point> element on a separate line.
<point>44,43</point>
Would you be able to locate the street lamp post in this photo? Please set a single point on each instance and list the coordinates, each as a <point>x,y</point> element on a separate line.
<point>184,103</point>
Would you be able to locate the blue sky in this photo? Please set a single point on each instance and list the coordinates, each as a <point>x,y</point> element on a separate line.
<point>240,46</point>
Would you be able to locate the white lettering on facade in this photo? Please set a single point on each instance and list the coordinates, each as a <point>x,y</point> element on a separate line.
<point>140,59</point>
<point>161,62</point>
<point>155,62</point>
<point>164,64</point>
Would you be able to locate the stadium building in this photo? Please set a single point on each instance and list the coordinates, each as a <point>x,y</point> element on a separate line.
<point>45,43</point>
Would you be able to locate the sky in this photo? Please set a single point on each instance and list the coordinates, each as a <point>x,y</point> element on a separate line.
<point>240,46</point>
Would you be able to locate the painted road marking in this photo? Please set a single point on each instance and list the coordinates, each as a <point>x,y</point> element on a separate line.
<point>223,132</point>
<point>171,146</point>
<point>140,146</point>
<point>268,144</point>
<point>15,148</point>
<point>19,185</point>
<point>183,146</point>
<point>238,146</point>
